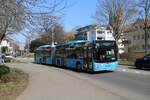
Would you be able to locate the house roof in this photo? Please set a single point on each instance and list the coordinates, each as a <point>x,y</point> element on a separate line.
<point>94,26</point>
<point>142,20</point>
<point>68,34</point>
<point>128,28</point>
<point>132,26</point>
<point>88,26</point>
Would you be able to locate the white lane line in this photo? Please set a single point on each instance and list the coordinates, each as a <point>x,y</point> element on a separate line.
<point>137,72</point>
<point>124,70</point>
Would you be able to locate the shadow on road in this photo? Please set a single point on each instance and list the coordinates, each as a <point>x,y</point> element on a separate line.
<point>101,72</point>
<point>74,70</point>
<point>144,69</point>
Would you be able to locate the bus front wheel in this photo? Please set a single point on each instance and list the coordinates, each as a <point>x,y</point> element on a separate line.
<point>78,67</point>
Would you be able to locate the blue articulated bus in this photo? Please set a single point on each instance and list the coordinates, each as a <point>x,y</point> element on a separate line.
<point>96,55</point>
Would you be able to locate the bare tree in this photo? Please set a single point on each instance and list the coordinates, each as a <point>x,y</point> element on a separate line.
<point>16,14</point>
<point>29,36</point>
<point>11,17</point>
<point>46,19</point>
<point>116,13</point>
<point>145,14</point>
<point>58,32</point>
<point>46,24</point>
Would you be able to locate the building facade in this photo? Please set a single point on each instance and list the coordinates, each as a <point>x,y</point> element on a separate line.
<point>136,36</point>
<point>94,32</point>
<point>7,43</point>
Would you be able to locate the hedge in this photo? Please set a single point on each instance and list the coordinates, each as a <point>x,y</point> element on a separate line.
<point>4,70</point>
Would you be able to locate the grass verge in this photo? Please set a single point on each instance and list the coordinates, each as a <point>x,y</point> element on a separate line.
<point>128,63</point>
<point>12,60</point>
<point>12,84</point>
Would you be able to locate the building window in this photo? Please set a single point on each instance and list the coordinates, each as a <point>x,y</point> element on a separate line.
<point>100,32</point>
<point>143,46</point>
<point>99,38</point>
<point>143,36</point>
<point>109,32</point>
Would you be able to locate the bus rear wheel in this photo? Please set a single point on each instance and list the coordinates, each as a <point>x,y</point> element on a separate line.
<point>58,63</point>
<point>78,67</point>
<point>40,61</point>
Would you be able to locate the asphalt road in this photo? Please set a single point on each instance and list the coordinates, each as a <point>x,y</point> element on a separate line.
<point>51,83</point>
<point>130,85</point>
<point>126,82</point>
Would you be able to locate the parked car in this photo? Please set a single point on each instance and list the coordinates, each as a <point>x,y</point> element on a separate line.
<point>143,62</point>
<point>8,56</point>
<point>2,57</point>
<point>17,54</point>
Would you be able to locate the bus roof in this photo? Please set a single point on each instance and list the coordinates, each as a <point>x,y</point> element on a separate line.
<point>78,41</point>
<point>104,40</point>
<point>72,42</point>
<point>75,42</point>
<point>44,46</point>
<point>81,41</point>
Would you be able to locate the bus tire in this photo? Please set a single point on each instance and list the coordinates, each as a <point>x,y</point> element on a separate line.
<point>78,67</point>
<point>40,61</point>
<point>58,63</point>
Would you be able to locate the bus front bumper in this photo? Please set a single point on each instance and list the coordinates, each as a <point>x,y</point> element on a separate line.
<point>105,66</point>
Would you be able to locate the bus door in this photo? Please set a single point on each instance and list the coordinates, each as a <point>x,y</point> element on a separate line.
<point>88,58</point>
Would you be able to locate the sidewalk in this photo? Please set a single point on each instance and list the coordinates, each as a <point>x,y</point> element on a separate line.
<point>49,83</point>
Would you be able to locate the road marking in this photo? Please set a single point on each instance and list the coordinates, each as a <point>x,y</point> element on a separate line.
<point>137,72</point>
<point>124,70</point>
<point>134,71</point>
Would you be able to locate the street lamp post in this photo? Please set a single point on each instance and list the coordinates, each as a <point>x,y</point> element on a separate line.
<point>53,19</point>
<point>53,36</point>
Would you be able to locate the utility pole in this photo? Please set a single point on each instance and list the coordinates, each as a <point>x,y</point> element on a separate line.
<point>53,35</point>
<point>53,19</point>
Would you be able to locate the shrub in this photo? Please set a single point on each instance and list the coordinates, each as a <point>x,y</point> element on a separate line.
<point>123,56</point>
<point>130,63</point>
<point>12,84</point>
<point>9,77</point>
<point>7,60</point>
<point>132,56</point>
<point>4,70</point>
<point>15,70</point>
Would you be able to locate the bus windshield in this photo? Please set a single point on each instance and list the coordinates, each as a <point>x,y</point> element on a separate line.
<point>105,52</point>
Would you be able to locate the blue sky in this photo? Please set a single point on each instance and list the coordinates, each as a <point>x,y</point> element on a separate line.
<point>79,13</point>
